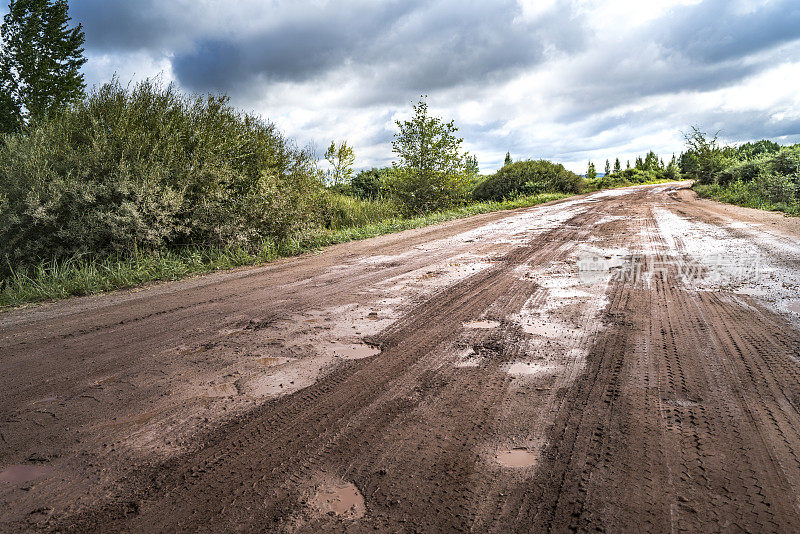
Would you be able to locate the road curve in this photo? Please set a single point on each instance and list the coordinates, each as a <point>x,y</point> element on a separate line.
<point>624,360</point>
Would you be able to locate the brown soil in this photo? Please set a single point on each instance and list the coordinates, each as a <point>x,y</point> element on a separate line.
<point>546,369</point>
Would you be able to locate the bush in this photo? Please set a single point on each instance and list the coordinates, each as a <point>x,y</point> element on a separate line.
<point>419,192</point>
<point>147,169</point>
<point>528,178</point>
<point>337,211</point>
<point>369,183</point>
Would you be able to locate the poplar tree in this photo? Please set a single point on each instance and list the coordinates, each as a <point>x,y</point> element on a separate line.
<point>617,166</point>
<point>508,159</point>
<point>40,61</point>
<point>607,170</point>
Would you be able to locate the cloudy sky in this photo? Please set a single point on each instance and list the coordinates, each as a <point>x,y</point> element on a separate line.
<point>563,80</point>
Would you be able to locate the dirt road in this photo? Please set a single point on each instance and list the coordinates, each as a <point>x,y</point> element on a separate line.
<point>626,360</point>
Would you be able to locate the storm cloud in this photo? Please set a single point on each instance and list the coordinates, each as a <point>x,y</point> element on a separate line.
<point>568,80</point>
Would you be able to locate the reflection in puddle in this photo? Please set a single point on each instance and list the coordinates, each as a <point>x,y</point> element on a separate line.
<point>17,474</point>
<point>516,457</point>
<point>341,499</point>
<point>482,324</point>
<point>353,351</point>
<point>541,329</point>
<point>530,368</point>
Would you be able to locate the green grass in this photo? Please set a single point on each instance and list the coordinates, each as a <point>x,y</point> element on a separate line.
<point>746,194</point>
<point>85,276</point>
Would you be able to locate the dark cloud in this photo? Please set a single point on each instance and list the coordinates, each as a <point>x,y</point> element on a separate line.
<point>123,26</point>
<point>720,30</point>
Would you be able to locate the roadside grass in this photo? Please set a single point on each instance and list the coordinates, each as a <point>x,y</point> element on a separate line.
<point>84,275</point>
<point>746,195</point>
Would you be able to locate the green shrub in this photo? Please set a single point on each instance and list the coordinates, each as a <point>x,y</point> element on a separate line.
<point>369,183</point>
<point>337,211</point>
<point>528,178</point>
<point>147,169</point>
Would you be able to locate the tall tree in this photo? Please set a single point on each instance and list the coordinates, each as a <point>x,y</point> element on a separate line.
<point>617,166</point>
<point>431,171</point>
<point>591,172</point>
<point>341,159</point>
<point>40,61</point>
<point>607,170</point>
<point>508,159</point>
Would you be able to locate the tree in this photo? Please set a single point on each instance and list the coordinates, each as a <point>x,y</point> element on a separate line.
<point>607,169</point>
<point>431,171</point>
<point>703,158</point>
<point>508,159</point>
<point>341,159</point>
<point>628,164</point>
<point>617,166</point>
<point>471,165</point>
<point>591,173</point>
<point>40,61</point>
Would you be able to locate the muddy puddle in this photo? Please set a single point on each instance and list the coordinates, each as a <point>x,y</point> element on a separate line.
<point>794,307</point>
<point>352,351</point>
<point>542,328</point>
<point>530,368</point>
<point>482,325</point>
<point>341,499</point>
<point>516,457</point>
<point>19,474</point>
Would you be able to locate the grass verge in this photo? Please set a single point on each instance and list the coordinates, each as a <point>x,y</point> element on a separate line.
<point>85,275</point>
<point>746,195</point>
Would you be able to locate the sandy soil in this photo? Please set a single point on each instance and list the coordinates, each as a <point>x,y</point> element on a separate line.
<point>625,360</point>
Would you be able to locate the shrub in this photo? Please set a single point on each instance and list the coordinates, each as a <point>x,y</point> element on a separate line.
<point>369,183</point>
<point>148,168</point>
<point>528,178</point>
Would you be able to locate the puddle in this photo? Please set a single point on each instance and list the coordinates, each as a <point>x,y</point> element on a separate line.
<point>542,329</point>
<point>342,499</point>
<point>482,324</point>
<point>18,474</point>
<point>530,368</point>
<point>794,307</point>
<point>272,361</point>
<point>468,358</point>
<point>354,351</point>
<point>221,390</point>
<point>516,457</point>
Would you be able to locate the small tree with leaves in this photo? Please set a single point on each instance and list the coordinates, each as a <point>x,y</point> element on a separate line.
<point>341,158</point>
<point>430,173</point>
<point>40,61</point>
<point>704,157</point>
<point>607,169</point>
<point>591,172</point>
<point>471,166</point>
<point>508,159</point>
<point>617,166</point>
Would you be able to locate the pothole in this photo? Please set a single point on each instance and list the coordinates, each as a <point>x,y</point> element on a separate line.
<point>484,325</point>
<point>468,358</point>
<point>516,457</point>
<point>530,368</point>
<point>352,351</point>
<point>18,474</point>
<point>340,499</point>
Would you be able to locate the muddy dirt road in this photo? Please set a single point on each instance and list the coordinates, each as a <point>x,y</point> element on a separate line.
<point>626,360</point>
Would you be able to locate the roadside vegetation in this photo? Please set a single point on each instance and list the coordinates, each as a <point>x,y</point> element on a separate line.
<point>762,175</point>
<point>120,186</point>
